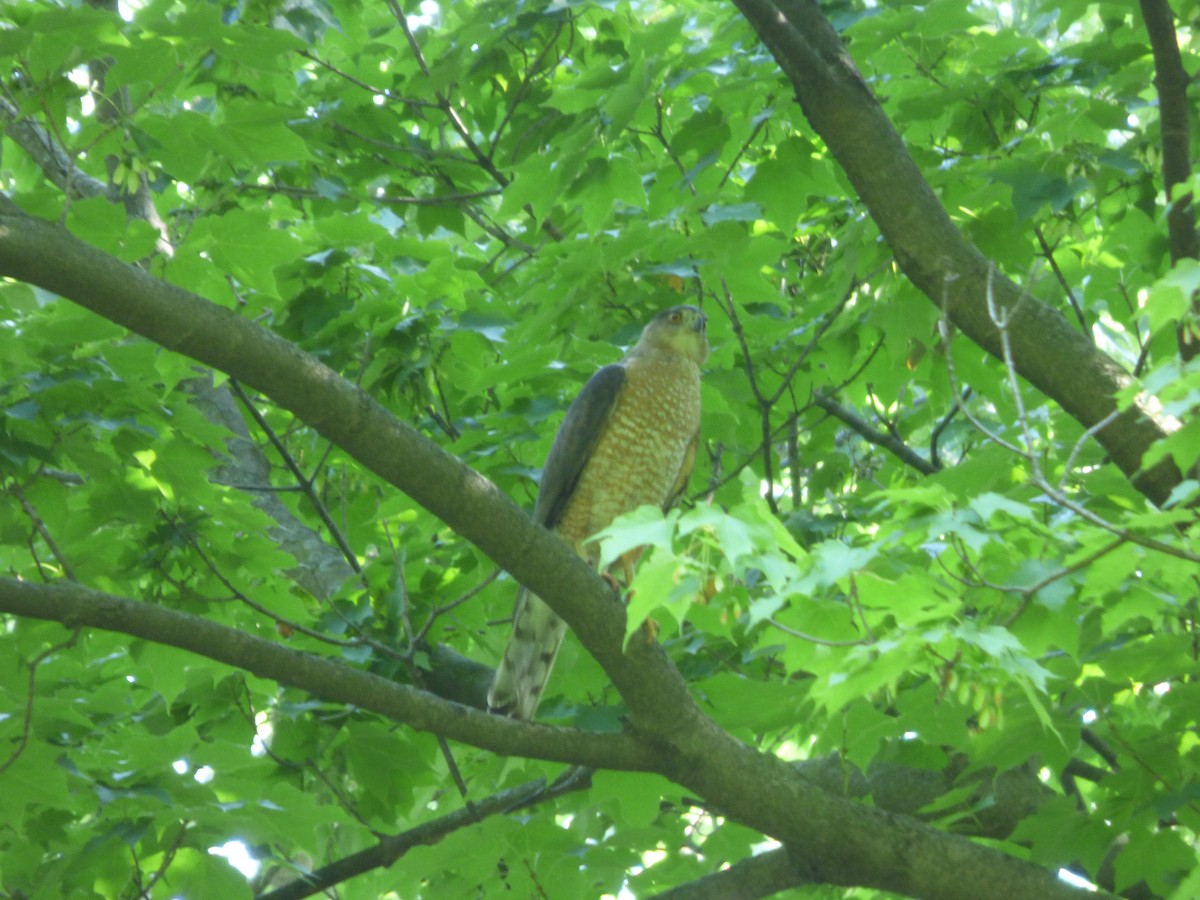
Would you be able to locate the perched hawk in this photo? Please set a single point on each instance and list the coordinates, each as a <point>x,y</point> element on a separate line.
<point>629,439</point>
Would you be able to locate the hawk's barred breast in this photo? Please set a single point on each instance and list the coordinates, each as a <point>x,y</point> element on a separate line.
<point>643,450</point>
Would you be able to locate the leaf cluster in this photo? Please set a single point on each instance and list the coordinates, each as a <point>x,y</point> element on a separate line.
<point>895,554</point>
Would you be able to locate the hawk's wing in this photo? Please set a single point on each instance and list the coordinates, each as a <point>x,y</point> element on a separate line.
<point>573,445</point>
<point>537,630</point>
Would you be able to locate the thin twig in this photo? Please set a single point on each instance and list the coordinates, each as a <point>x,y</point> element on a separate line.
<point>816,640</point>
<point>1083,439</point>
<point>27,719</point>
<point>481,159</point>
<point>764,405</point>
<point>306,484</point>
<point>892,444</point>
<point>1036,476</point>
<point>241,597</point>
<point>1029,591</point>
<point>825,324</point>
<point>856,603</point>
<point>943,422</point>
<point>763,119</point>
<point>456,776</point>
<point>532,71</point>
<point>168,856</point>
<point>1048,253</point>
<point>378,92</point>
<point>454,604</point>
<point>44,532</point>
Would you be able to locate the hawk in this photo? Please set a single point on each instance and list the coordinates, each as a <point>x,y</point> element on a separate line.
<point>629,439</point>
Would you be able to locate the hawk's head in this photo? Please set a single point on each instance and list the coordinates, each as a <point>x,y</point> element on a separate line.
<point>680,329</point>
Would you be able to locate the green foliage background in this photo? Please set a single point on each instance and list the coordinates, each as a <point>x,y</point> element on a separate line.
<point>467,227</point>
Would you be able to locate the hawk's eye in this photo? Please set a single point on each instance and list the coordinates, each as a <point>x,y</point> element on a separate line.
<point>676,318</point>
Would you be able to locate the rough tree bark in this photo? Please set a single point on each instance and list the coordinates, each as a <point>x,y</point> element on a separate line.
<point>1171,83</point>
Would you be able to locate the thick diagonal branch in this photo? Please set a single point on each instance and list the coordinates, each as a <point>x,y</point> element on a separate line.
<point>934,254</point>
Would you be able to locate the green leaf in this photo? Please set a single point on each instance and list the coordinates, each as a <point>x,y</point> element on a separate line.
<point>1156,858</point>
<point>1170,296</point>
<point>646,526</point>
<point>833,561</point>
<point>260,133</point>
<point>1032,189</point>
<point>988,504</point>
<point>662,582</point>
<point>740,212</point>
<point>195,871</point>
<point>738,703</point>
<point>637,795</point>
<point>622,104</point>
<point>247,245</point>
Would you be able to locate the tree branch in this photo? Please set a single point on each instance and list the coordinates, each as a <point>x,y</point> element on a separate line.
<point>49,156</point>
<point>76,606</point>
<point>320,569</point>
<point>931,250</point>
<point>1171,82</point>
<point>888,442</point>
<point>392,847</point>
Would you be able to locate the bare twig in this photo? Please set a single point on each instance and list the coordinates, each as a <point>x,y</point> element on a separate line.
<point>888,442</point>
<point>812,639</point>
<point>943,422</point>
<point>725,477</point>
<point>439,199</point>
<point>456,775</point>
<point>453,604</point>
<point>1000,319</point>
<point>283,622</point>
<point>1028,592</point>
<point>305,483</point>
<point>481,159</point>
<point>1048,253</point>
<point>168,857</point>
<point>1079,444</point>
<point>824,326</point>
<point>42,531</point>
<point>379,92</point>
<point>764,405</point>
<point>27,720</point>
<point>391,848</point>
<point>856,603</point>
<point>762,119</point>
<point>532,71</point>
